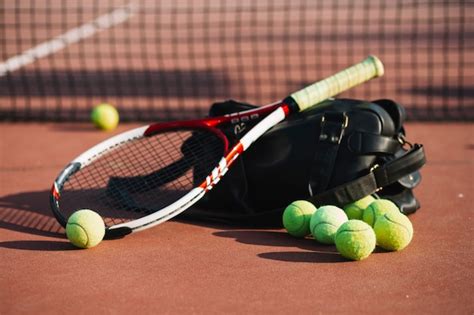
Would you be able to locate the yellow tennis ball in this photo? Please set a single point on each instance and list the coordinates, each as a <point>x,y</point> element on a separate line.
<point>85,228</point>
<point>325,222</point>
<point>378,208</point>
<point>355,240</point>
<point>394,231</point>
<point>105,117</point>
<point>355,209</point>
<point>296,217</point>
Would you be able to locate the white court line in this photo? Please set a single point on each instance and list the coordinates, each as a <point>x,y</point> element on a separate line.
<point>72,36</point>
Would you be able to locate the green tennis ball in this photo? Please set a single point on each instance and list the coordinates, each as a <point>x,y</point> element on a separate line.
<point>296,217</point>
<point>85,228</point>
<point>355,240</point>
<point>355,209</point>
<point>378,208</point>
<point>325,222</point>
<point>105,117</point>
<point>394,231</point>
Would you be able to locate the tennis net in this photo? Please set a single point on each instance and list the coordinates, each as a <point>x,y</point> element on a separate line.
<point>161,60</point>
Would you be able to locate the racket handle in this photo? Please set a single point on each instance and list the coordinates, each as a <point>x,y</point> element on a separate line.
<point>368,69</point>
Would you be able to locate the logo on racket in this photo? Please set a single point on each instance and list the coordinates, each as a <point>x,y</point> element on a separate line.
<point>239,128</point>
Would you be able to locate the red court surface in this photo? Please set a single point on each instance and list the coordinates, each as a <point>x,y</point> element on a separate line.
<point>184,267</point>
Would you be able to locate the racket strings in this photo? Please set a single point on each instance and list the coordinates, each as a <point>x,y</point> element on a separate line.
<point>143,175</point>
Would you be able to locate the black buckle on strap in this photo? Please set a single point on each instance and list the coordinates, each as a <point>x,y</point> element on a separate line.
<point>332,127</point>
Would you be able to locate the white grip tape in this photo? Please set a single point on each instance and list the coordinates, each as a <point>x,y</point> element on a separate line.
<point>370,68</point>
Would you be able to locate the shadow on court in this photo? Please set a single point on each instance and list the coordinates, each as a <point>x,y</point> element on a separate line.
<point>29,212</point>
<point>311,251</point>
<point>42,246</point>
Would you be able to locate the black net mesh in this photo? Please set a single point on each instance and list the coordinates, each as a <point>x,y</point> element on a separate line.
<point>161,60</point>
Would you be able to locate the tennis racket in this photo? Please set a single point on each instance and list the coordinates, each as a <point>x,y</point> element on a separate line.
<point>145,176</point>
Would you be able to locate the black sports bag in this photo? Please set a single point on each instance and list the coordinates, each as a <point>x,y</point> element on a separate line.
<point>333,154</point>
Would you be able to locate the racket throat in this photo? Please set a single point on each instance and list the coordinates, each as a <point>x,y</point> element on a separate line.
<point>221,169</point>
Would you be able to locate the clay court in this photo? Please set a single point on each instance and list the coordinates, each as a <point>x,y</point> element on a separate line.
<point>185,266</point>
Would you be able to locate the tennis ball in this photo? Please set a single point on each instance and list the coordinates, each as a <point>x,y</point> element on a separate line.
<point>355,240</point>
<point>85,228</point>
<point>355,209</point>
<point>378,208</point>
<point>394,231</point>
<point>105,117</point>
<point>296,217</point>
<point>325,222</point>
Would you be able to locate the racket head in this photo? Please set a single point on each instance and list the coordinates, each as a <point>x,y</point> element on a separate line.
<point>128,179</point>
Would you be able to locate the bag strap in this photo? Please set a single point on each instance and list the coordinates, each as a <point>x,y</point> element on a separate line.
<point>377,178</point>
<point>332,130</point>
<point>333,126</point>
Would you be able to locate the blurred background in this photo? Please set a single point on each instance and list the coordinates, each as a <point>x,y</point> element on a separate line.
<point>162,60</point>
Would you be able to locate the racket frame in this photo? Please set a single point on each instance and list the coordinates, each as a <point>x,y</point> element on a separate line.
<point>210,124</point>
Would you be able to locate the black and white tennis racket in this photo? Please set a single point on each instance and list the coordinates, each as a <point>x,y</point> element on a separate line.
<point>147,175</point>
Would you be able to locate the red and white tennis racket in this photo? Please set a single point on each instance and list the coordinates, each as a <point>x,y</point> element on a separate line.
<point>147,175</point>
